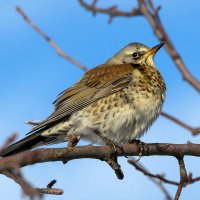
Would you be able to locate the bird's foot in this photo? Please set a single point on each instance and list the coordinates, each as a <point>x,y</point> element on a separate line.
<point>114,145</point>
<point>108,142</point>
<point>141,148</point>
<point>72,141</point>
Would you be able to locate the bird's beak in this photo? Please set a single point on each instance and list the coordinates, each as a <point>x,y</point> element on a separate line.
<point>153,50</point>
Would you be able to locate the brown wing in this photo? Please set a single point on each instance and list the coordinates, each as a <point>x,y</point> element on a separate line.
<point>97,83</point>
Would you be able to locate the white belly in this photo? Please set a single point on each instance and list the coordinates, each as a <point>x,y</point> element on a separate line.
<point>121,125</point>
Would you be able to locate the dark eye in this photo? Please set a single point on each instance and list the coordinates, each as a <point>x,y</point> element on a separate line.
<point>135,55</point>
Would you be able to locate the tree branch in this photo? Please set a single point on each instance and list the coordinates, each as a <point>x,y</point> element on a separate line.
<point>50,190</point>
<point>113,163</point>
<point>29,190</point>
<point>147,173</point>
<point>111,11</point>
<point>96,152</point>
<point>59,51</point>
<point>192,180</point>
<point>153,178</point>
<point>183,177</point>
<point>26,187</point>
<point>194,131</point>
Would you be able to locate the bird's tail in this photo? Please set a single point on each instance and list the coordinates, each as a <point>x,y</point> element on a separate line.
<point>29,142</point>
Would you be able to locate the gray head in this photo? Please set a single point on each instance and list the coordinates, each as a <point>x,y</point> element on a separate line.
<point>135,53</point>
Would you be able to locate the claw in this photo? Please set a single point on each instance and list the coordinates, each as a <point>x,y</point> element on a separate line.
<point>141,148</point>
<point>109,142</point>
<point>72,141</point>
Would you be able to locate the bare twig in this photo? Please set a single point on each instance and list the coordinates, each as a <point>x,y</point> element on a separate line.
<point>194,131</point>
<point>27,188</point>
<point>156,176</point>
<point>50,190</point>
<point>112,161</point>
<point>153,178</point>
<point>142,169</point>
<point>111,11</point>
<point>51,183</point>
<point>192,180</point>
<point>163,189</point>
<point>183,177</point>
<point>178,192</point>
<point>59,51</point>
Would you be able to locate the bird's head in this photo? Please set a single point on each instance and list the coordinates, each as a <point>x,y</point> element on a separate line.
<point>135,53</point>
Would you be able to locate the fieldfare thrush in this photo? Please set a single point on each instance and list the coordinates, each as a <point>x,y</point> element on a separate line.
<point>119,99</point>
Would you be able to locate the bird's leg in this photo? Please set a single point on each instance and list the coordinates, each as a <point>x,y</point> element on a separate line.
<point>108,142</point>
<point>72,141</point>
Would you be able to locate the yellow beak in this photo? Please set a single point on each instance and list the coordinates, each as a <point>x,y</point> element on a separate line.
<point>153,50</point>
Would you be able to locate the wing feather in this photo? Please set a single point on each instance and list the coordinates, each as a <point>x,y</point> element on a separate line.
<point>95,84</point>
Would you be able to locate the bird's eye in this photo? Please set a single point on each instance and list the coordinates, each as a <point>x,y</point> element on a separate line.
<point>135,55</point>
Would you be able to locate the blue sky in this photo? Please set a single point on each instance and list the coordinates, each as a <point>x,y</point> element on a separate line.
<point>32,75</point>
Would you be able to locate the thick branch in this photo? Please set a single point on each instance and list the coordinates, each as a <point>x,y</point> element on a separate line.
<point>97,152</point>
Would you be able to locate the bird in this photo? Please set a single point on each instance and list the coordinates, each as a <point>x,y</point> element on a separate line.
<point>120,99</point>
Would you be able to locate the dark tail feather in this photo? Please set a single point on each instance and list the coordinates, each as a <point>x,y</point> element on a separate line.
<point>26,143</point>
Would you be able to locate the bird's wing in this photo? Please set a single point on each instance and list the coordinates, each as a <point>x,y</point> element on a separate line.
<point>95,84</point>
